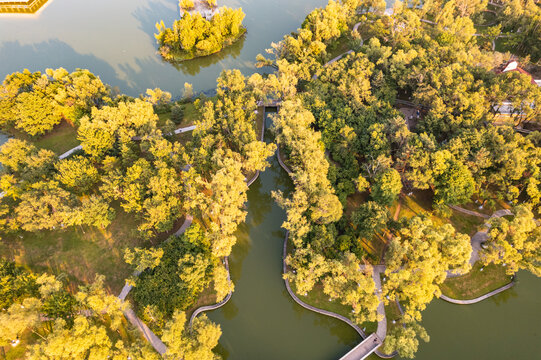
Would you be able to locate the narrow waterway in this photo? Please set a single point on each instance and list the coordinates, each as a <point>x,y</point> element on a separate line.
<point>261,321</point>
<point>114,39</point>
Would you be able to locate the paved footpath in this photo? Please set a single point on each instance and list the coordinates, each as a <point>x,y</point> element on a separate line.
<point>480,298</point>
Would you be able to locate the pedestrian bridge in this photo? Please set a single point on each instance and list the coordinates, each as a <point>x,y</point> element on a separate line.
<point>364,349</point>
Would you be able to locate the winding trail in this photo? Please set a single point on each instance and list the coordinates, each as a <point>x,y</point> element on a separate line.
<point>469,212</point>
<point>355,28</point>
<point>203,309</point>
<point>481,236</point>
<point>480,298</point>
<point>370,343</point>
<point>310,307</point>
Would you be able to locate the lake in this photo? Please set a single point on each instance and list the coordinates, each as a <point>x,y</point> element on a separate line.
<point>114,39</point>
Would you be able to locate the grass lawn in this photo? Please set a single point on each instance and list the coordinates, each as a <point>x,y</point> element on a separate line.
<point>207,297</point>
<point>392,312</point>
<point>476,283</point>
<point>465,224</point>
<point>80,252</point>
<point>353,202</point>
<point>420,202</point>
<point>339,47</point>
<point>190,115</point>
<point>184,138</point>
<point>318,299</point>
<point>62,138</point>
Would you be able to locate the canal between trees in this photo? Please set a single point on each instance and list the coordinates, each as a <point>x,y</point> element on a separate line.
<point>114,39</point>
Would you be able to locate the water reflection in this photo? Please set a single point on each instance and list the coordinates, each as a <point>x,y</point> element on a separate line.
<point>153,12</point>
<point>54,54</point>
<point>193,67</point>
<point>120,34</point>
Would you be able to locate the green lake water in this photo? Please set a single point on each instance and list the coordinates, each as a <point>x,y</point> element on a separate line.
<point>114,39</point>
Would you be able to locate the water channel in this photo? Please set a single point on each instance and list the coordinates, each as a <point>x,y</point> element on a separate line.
<point>114,39</point>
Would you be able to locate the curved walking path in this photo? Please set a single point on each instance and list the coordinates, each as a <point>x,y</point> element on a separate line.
<point>355,28</point>
<point>481,236</point>
<point>476,241</point>
<point>480,298</point>
<point>310,307</point>
<point>218,305</point>
<point>154,340</point>
<point>469,212</point>
<point>281,162</point>
<point>203,309</point>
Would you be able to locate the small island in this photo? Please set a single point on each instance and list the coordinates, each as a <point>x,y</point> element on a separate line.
<point>202,30</point>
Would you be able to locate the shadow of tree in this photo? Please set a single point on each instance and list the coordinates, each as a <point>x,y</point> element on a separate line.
<point>54,54</point>
<point>153,12</point>
<point>194,66</point>
<point>156,11</point>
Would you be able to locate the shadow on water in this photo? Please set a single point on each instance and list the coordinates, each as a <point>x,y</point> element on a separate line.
<point>154,12</point>
<point>262,321</point>
<point>260,203</point>
<point>54,54</point>
<point>194,66</point>
<point>505,296</point>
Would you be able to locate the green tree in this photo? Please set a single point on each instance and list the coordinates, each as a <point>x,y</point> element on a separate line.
<point>370,218</point>
<point>16,283</point>
<point>455,185</point>
<point>387,186</point>
<point>405,340</point>
<point>515,242</point>
<point>43,206</point>
<point>77,174</point>
<point>143,259</point>
<point>191,344</point>
<point>419,259</point>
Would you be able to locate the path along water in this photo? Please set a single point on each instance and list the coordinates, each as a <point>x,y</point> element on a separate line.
<point>261,321</point>
<point>115,40</point>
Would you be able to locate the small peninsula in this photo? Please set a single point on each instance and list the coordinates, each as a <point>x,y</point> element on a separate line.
<point>202,30</point>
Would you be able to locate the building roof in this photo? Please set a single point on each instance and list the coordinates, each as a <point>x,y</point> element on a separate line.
<point>512,65</point>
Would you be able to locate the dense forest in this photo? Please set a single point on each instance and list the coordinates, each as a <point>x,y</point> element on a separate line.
<point>354,151</point>
<point>130,164</point>
<point>408,115</point>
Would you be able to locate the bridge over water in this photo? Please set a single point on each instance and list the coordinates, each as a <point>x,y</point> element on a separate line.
<point>364,349</point>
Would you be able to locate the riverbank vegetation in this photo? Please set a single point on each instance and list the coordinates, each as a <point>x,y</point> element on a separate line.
<point>195,36</point>
<point>477,282</point>
<point>133,178</point>
<point>343,136</point>
<point>381,143</point>
<point>225,148</point>
<point>45,318</point>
